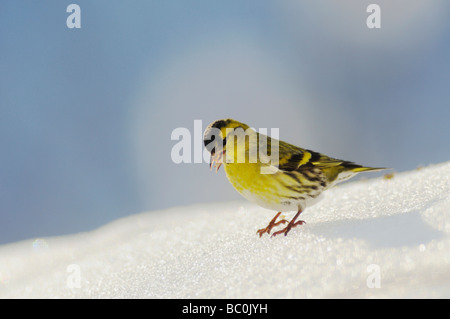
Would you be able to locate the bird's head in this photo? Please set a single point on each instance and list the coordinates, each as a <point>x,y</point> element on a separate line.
<point>215,138</point>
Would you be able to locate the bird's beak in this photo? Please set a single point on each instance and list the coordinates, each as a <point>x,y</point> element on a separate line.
<point>216,160</point>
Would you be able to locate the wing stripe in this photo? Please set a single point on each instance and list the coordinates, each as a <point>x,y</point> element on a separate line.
<point>305,159</point>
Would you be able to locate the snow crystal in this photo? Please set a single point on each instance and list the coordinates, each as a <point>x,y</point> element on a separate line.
<point>373,238</point>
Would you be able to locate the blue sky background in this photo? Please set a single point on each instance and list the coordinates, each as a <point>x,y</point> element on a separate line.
<point>86,114</point>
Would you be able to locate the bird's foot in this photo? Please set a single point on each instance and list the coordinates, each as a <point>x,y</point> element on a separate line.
<point>291,225</point>
<point>286,230</point>
<point>271,225</point>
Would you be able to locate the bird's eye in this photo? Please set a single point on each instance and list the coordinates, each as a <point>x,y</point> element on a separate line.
<point>212,138</point>
<point>208,139</point>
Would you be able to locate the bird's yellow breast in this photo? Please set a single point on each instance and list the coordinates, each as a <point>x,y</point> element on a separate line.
<point>266,190</point>
<point>245,176</point>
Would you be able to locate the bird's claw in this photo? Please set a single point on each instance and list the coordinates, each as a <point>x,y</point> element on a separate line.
<point>286,230</point>
<point>271,225</point>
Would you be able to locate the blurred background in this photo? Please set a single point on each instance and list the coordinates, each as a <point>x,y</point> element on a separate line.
<point>86,115</point>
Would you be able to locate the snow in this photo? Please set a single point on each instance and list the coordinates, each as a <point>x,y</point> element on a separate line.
<point>369,238</point>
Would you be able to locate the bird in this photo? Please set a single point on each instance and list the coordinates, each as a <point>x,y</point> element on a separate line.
<point>272,173</point>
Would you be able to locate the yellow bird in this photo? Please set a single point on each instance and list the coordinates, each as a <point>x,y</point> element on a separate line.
<point>272,173</point>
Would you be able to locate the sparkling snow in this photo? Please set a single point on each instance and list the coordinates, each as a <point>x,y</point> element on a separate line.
<point>370,238</point>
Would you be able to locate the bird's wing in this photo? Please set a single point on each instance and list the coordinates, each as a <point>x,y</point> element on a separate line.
<point>296,159</point>
<point>312,165</point>
<point>292,158</point>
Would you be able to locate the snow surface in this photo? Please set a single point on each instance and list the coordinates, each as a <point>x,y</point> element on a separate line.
<point>370,238</point>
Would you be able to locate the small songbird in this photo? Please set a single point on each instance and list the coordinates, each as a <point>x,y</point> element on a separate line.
<point>272,173</point>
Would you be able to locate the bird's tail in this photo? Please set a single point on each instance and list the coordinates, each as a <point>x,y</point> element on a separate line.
<point>359,169</point>
<point>343,170</point>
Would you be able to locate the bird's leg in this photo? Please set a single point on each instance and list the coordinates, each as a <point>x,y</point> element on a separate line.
<point>291,224</point>
<point>271,225</point>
